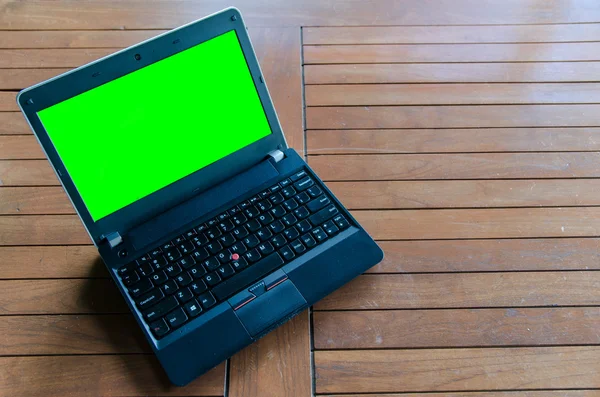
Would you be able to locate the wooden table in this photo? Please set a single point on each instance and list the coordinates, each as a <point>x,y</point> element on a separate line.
<point>463,134</point>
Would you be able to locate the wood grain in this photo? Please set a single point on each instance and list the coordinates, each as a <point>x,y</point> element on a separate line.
<point>50,58</point>
<point>466,290</point>
<point>489,255</point>
<point>8,102</point>
<point>453,73</point>
<point>453,116</point>
<point>13,123</point>
<point>67,296</point>
<point>391,329</point>
<point>83,38</point>
<point>42,230</point>
<point>451,94</point>
<point>450,34</point>
<point>481,223</point>
<point>457,166</point>
<point>20,147</point>
<point>34,200</point>
<point>51,262</point>
<point>453,140</point>
<point>448,53</point>
<point>106,375</point>
<point>71,334</point>
<point>457,369</point>
<point>27,173</point>
<point>17,79</point>
<point>520,393</point>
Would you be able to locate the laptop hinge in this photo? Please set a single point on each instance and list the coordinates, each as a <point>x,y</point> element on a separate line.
<point>113,239</point>
<point>277,155</point>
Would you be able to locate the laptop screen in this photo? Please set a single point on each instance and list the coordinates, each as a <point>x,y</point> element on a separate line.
<point>132,136</point>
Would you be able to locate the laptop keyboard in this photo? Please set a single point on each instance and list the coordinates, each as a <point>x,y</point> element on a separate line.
<point>185,277</point>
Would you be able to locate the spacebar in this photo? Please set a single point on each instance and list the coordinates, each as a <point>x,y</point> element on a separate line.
<point>246,277</point>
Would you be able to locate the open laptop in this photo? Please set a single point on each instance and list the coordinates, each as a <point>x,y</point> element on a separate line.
<point>214,231</point>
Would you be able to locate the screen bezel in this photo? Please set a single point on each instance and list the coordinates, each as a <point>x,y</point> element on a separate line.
<point>70,84</point>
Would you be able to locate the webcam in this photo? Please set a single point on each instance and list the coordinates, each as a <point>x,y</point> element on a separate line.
<point>137,57</point>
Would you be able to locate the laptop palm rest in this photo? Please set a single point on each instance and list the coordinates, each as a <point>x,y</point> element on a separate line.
<point>268,307</point>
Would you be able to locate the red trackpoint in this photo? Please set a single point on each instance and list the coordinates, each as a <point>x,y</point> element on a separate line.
<point>235,257</point>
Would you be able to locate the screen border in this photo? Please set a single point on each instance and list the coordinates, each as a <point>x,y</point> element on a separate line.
<point>62,87</point>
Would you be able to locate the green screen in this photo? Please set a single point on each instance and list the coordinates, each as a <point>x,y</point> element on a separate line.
<point>130,137</point>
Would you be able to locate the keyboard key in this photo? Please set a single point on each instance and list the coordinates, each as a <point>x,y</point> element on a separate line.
<point>266,248</point>
<point>238,248</point>
<point>291,233</point>
<point>304,226</point>
<point>253,225</point>
<point>211,263</point>
<point>223,216</point>
<point>277,227</point>
<point>159,328</point>
<point>265,193</point>
<point>251,241</point>
<point>224,256</point>
<point>314,191</point>
<point>212,222</point>
<point>252,255</point>
<point>201,228</point>
<point>178,240</point>
<point>239,264</point>
<point>303,198</point>
<point>319,234</point>
<point>252,211</point>
<point>143,259</point>
<point>279,241</point>
<point>264,234</point>
<point>233,211</point>
<point>277,198</point>
<point>127,268</point>
<point>159,277</point>
<point>184,279</point>
<point>227,239</point>
<point>130,278</point>
<point>254,199</point>
<point>226,226</point>
<point>285,182</point>
<point>304,184</point>
<point>318,203</point>
<point>288,192</point>
<point>298,175</point>
<point>341,222</point>
<point>207,300</point>
<point>298,246</point>
<point>197,272</point>
<point>186,247</point>
<point>151,298</point>
<point>200,254</point>
<point>190,235</point>
<point>225,271</point>
<point>198,287</point>
<point>159,262</point>
<point>244,205</point>
<point>187,262</point>
<point>275,188</point>
<point>264,205</point>
<point>330,228</point>
<point>240,232</point>
<point>161,308</point>
<point>278,211</point>
<point>213,233</point>
<point>290,204</point>
<point>173,270</point>
<point>308,240</point>
<point>166,246</point>
<point>214,247</point>
<point>287,253</point>
<point>141,287</point>
<point>192,308</point>
<point>176,318</point>
<point>200,240</point>
<point>266,218</point>
<point>323,215</point>
<point>239,219</point>
<point>170,287</point>
<point>212,279</point>
<point>249,275</point>
<point>173,254</point>
<point>145,270</point>
<point>290,219</point>
<point>155,252</point>
<point>184,295</point>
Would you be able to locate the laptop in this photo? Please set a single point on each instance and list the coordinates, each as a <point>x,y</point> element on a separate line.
<point>214,231</point>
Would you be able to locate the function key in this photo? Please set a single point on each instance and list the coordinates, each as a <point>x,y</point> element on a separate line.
<point>192,308</point>
<point>167,246</point>
<point>254,199</point>
<point>285,183</point>
<point>159,328</point>
<point>191,234</point>
<point>244,205</point>
<point>314,191</point>
<point>201,228</point>
<point>178,240</point>
<point>275,188</point>
<point>155,252</point>
<point>223,216</point>
<point>264,194</point>
<point>143,259</point>
<point>176,318</point>
<point>298,175</point>
<point>212,222</point>
<point>234,210</point>
<point>303,184</point>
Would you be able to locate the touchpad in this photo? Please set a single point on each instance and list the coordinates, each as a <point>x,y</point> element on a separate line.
<point>269,306</point>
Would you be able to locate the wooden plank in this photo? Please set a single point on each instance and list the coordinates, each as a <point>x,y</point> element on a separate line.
<point>489,255</point>
<point>366,117</point>
<point>34,15</point>
<point>89,38</point>
<point>389,329</point>
<point>8,102</point>
<point>450,34</point>
<point>457,369</point>
<point>13,123</point>
<point>453,73</point>
<point>42,230</point>
<point>50,58</point>
<point>457,166</point>
<point>51,262</point>
<point>466,290</point>
<point>442,53</point>
<point>481,223</point>
<point>71,334</point>
<point>520,393</point>
<point>27,173</point>
<point>450,94</point>
<point>20,147</point>
<point>277,365</point>
<point>66,296</point>
<point>17,79</point>
<point>106,375</point>
<point>453,140</point>
<point>465,194</point>
<point>34,200</point>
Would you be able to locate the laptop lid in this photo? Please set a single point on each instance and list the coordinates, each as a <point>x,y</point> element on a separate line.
<point>142,130</point>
